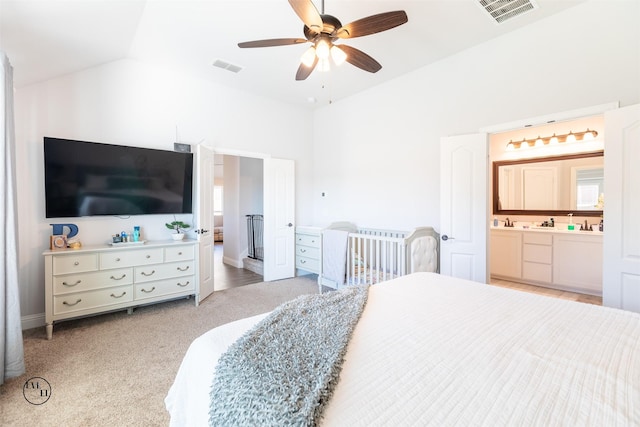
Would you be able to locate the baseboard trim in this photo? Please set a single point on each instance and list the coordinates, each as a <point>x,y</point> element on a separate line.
<point>232,262</point>
<point>31,321</point>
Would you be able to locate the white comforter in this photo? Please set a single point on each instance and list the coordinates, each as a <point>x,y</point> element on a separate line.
<point>435,350</point>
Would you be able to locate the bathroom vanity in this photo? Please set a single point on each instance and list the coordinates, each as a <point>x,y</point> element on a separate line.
<point>550,257</point>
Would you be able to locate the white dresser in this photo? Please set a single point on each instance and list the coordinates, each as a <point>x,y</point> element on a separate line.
<point>104,278</point>
<point>309,249</point>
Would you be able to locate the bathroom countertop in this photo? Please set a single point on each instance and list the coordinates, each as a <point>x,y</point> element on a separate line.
<point>559,228</point>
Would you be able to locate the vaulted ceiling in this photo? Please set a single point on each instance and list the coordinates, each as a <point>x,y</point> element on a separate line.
<point>48,38</point>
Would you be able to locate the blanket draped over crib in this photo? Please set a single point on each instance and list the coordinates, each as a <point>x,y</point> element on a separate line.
<point>284,370</point>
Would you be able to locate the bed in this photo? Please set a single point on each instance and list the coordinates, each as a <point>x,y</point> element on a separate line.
<point>354,255</point>
<point>436,350</point>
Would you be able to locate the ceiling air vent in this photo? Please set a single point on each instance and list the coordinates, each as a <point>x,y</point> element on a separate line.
<point>227,66</point>
<point>503,10</point>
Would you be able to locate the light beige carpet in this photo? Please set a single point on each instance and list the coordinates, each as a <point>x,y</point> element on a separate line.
<point>115,369</point>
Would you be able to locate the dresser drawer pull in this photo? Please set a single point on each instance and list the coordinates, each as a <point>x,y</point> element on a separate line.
<point>148,274</point>
<point>302,261</point>
<point>148,256</point>
<point>183,269</point>
<point>76,263</point>
<point>70,304</point>
<point>303,250</point>
<point>72,284</point>
<point>179,253</point>
<point>119,296</point>
<point>119,278</point>
<point>148,292</point>
<point>117,259</point>
<point>181,285</point>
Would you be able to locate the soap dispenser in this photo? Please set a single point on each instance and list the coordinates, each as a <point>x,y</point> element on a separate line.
<point>570,226</point>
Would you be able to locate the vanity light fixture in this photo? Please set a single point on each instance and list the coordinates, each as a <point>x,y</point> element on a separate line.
<point>587,135</point>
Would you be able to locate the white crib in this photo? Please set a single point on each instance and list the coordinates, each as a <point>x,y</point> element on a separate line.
<point>375,255</point>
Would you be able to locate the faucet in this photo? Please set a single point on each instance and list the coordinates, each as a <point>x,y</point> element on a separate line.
<point>507,223</point>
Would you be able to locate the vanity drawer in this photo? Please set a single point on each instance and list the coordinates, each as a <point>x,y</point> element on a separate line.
<point>537,253</point>
<point>308,240</point>
<point>76,263</point>
<point>537,272</point>
<point>81,301</point>
<point>179,253</point>
<point>538,238</point>
<point>130,258</point>
<point>163,271</point>
<point>87,281</point>
<point>164,287</point>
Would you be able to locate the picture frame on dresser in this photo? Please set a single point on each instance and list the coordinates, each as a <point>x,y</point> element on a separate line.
<point>58,242</point>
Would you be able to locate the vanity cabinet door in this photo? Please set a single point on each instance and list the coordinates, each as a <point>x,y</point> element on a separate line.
<point>506,254</point>
<point>577,262</point>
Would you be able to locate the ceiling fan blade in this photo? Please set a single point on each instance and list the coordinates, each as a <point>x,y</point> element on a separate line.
<point>372,24</point>
<point>308,13</point>
<point>271,42</point>
<point>360,59</point>
<point>304,71</point>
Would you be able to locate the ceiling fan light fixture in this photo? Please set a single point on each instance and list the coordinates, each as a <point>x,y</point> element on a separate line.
<point>309,56</point>
<point>338,55</point>
<point>323,65</point>
<point>322,49</point>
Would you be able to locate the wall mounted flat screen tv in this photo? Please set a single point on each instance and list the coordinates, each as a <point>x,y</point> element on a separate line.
<point>89,178</point>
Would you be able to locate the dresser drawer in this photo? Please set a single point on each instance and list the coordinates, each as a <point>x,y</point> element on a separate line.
<point>308,240</point>
<point>179,253</point>
<point>77,263</point>
<point>81,301</point>
<point>308,264</point>
<point>308,251</point>
<point>164,287</point>
<point>130,258</point>
<point>163,271</point>
<point>87,281</point>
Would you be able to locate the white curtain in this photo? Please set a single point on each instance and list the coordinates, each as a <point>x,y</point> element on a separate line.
<point>11,349</point>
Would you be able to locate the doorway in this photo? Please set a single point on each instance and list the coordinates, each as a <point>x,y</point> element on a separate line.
<point>238,192</point>
<point>531,262</point>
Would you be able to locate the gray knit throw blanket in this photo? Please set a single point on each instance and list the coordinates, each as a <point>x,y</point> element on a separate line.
<point>284,370</point>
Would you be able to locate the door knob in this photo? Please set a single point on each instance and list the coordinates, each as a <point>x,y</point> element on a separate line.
<point>445,237</point>
<point>289,225</point>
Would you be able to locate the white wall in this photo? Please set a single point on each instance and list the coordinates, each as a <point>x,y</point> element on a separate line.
<point>377,153</point>
<point>128,102</point>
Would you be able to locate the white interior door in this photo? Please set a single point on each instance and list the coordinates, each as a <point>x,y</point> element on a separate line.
<point>204,219</point>
<point>463,206</point>
<point>621,247</point>
<point>279,219</point>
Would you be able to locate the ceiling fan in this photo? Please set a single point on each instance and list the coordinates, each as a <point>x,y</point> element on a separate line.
<point>323,30</point>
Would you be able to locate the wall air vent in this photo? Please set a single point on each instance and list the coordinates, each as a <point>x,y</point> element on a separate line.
<point>503,10</point>
<point>227,66</point>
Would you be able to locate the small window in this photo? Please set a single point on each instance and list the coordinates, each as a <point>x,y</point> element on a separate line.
<point>589,188</point>
<point>217,200</point>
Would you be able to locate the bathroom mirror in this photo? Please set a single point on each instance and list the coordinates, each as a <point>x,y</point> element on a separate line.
<point>550,186</point>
